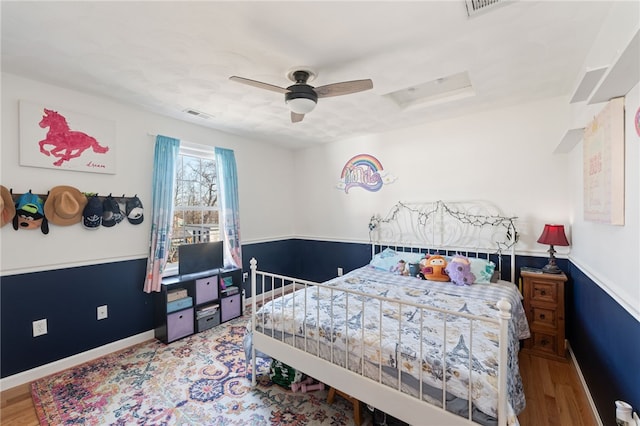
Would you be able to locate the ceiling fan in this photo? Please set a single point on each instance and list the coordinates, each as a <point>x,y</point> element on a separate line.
<point>301,97</point>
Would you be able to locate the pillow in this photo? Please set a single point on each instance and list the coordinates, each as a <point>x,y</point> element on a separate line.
<point>483,269</point>
<point>388,259</point>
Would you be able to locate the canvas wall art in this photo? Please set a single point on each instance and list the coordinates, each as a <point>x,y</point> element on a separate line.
<point>58,138</point>
<point>603,167</point>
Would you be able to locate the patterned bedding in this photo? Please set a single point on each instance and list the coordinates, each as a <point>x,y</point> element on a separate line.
<point>358,323</point>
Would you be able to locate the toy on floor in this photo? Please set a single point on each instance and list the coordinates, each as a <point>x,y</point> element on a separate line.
<point>306,386</point>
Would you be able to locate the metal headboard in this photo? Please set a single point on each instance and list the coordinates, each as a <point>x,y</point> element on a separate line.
<point>473,228</point>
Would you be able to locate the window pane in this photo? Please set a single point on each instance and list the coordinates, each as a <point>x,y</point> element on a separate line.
<point>195,202</point>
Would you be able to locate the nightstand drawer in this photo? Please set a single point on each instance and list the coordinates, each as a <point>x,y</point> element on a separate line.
<point>544,342</point>
<point>544,291</point>
<point>543,317</point>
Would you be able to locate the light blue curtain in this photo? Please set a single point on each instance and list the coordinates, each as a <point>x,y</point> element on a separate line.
<point>164,170</point>
<point>229,206</point>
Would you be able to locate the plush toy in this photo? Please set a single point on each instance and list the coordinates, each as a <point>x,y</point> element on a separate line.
<point>30,213</point>
<point>400,268</point>
<point>459,270</point>
<point>434,269</point>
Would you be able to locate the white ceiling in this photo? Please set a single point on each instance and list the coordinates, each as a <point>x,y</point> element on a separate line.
<point>170,56</point>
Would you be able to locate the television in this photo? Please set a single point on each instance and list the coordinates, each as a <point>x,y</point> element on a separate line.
<point>200,257</point>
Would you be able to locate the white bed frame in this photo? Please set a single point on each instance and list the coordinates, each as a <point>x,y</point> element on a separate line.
<point>470,228</point>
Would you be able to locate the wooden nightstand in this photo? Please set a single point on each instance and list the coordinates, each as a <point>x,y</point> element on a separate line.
<point>544,306</point>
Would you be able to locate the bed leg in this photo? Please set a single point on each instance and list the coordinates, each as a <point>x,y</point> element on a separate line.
<point>357,413</point>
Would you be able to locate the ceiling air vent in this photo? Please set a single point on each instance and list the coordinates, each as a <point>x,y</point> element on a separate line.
<point>475,7</point>
<point>197,113</point>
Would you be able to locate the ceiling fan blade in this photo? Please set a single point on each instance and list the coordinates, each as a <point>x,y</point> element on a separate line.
<point>344,88</point>
<point>295,117</point>
<point>259,84</point>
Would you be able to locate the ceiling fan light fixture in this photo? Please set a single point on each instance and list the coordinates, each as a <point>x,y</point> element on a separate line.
<point>301,105</point>
<point>301,98</point>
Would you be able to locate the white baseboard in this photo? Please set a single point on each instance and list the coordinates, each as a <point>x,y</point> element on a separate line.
<point>60,365</point>
<point>584,385</point>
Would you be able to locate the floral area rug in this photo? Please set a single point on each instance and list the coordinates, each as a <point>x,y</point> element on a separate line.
<point>198,380</point>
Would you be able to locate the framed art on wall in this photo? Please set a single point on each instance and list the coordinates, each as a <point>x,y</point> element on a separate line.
<point>603,167</point>
<point>59,138</point>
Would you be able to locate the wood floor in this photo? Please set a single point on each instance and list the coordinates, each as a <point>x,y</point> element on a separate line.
<point>553,390</point>
<point>554,393</point>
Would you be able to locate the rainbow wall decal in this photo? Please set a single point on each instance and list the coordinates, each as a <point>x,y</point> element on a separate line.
<point>363,171</point>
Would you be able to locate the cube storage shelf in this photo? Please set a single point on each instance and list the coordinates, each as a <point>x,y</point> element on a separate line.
<point>192,303</point>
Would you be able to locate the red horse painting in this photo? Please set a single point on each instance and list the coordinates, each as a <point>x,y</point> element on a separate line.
<point>67,143</point>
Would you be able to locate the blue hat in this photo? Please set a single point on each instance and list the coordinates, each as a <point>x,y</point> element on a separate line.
<point>30,213</point>
<point>92,213</point>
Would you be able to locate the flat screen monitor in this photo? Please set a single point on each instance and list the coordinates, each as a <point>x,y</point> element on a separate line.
<point>193,258</point>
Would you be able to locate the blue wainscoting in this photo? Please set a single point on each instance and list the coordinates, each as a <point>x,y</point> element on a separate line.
<point>68,299</point>
<point>306,259</point>
<point>606,341</point>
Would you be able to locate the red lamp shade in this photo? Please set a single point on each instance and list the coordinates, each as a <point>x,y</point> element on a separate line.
<point>553,235</point>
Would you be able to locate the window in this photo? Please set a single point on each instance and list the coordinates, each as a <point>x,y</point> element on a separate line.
<point>196,215</point>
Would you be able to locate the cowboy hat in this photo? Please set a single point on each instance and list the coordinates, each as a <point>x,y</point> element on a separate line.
<point>64,205</point>
<point>7,206</point>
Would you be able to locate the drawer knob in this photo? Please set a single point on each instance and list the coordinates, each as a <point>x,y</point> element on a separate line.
<point>542,292</point>
<point>544,342</point>
<point>541,316</point>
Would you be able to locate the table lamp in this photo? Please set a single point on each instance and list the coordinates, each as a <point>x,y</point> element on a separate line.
<point>554,236</point>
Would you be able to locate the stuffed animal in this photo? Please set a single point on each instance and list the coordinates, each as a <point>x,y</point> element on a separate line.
<point>434,269</point>
<point>30,213</point>
<point>459,270</point>
<point>400,268</point>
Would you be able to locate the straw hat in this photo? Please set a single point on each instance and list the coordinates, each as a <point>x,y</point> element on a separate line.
<point>64,205</point>
<point>7,206</point>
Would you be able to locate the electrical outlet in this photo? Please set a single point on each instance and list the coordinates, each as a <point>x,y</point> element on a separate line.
<point>39,327</point>
<point>340,272</point>
<point>245,276</point>
<point>102,312</point>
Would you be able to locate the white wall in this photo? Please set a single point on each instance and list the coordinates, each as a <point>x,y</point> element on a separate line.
<point>609,254</point>
<point>265,176</point>
<point>504,156</point>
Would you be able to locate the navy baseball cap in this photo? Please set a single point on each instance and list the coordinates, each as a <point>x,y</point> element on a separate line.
<point>92,213</point>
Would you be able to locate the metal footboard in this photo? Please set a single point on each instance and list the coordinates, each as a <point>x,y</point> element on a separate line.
<point>387,385</point>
